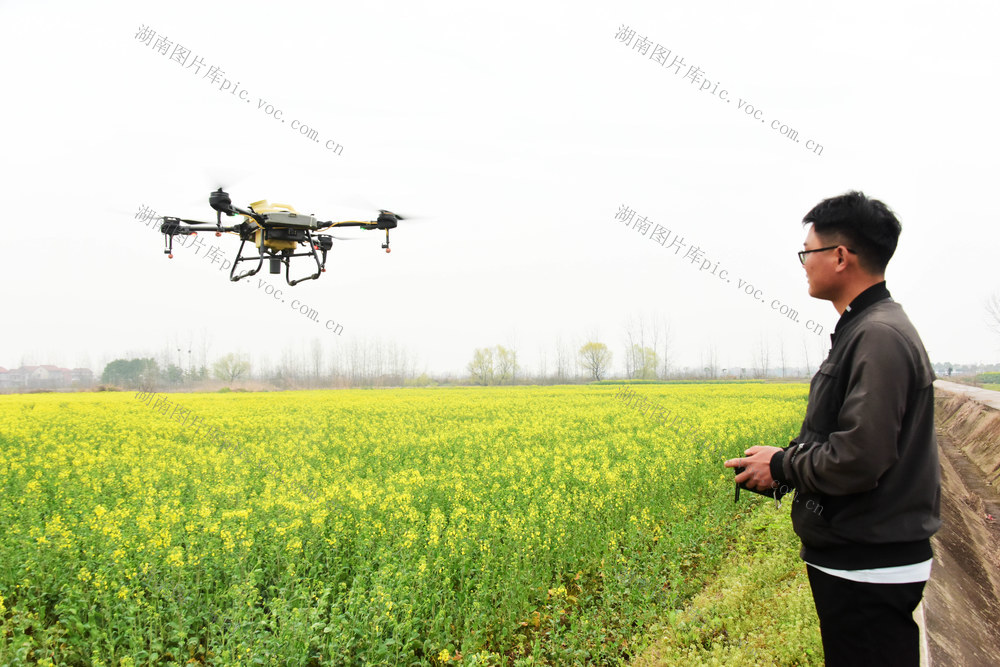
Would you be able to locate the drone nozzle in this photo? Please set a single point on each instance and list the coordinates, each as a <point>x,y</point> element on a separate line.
<point>220,201</point>
<point>275,265</point>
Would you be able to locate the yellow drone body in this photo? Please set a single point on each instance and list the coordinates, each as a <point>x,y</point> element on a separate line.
<point>263,207</point>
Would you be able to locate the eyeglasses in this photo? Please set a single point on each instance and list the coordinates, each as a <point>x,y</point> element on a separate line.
<point>803,253</point>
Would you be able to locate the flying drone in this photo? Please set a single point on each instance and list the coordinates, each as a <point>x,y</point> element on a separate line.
<point>276,231</point>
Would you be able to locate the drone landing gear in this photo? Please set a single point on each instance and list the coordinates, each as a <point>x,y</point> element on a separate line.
<point>386,244</point>
<point>241,258</point>
<point>319,244</point>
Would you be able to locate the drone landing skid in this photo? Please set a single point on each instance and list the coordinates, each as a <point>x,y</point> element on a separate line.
<point>277,258</point>
<point>241,258</point>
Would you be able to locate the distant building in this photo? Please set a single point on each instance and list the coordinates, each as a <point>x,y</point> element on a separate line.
<point>47,376</point>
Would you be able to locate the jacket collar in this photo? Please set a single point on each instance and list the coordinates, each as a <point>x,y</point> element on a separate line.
<point>869,297</point>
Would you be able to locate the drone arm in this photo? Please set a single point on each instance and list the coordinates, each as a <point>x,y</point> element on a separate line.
<point>208,228</point>
<point>220,201</point>
<point>172,226</point>
<point>250,214</point>
<point>348,223</point>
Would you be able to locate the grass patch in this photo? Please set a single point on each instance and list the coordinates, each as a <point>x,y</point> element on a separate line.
<point>758,610</point>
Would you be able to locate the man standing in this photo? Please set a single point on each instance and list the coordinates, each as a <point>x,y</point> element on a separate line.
<point>865,464</point>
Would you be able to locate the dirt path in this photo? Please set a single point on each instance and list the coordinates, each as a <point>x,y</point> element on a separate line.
<point>984,396</point>
<point>962,598</point>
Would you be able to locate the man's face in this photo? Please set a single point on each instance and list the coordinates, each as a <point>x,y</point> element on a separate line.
<point>820,267</point>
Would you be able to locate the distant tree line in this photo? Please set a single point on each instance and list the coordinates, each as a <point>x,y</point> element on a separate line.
<point>645,350</point>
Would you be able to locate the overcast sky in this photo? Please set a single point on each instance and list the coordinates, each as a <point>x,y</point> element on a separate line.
<point>519,131</point>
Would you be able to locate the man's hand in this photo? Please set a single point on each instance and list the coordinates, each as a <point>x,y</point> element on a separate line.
<point>758,467</point>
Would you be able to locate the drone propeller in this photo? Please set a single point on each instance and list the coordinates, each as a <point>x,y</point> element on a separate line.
<point>224,177</point>
<point>143,213</point>
<point>362,204</point>
<point>398,216</point>
<point>219,177</point>
<point>405,216</point>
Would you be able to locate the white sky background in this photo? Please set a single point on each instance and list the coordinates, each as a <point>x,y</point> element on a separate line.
<point>519,130</point>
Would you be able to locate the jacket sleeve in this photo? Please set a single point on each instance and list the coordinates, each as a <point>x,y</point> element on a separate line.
<point>881,373</point>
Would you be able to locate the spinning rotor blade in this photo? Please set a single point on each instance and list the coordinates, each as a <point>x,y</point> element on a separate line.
<point>136,214</point>
<point>225,177</point>
<point>213,177</point>
<point>362,204</point>
<point>407,217</point>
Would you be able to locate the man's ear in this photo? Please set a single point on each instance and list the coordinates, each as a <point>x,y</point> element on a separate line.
<point>841,258</point>
<point>841,264</point>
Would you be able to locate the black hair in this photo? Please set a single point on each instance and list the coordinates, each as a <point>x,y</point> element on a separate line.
<point>866,225</point>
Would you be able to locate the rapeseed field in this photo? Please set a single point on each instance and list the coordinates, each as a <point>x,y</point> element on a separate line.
<point>462,526</point>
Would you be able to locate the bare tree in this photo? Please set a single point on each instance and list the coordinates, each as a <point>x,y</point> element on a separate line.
<point>805,349</point>
<point>761,358</point>
<point>781,353</point>
<point>189,366</point>
<point>412,361</point>
<point>822,349</point>
<point>564,360</point>
<point>204,345</point>
<point>481,366</point>
<point>231,367</point>
<point>665,350</point>
<point>354,362</point>
<point>398,368</point>
<point>712,361</point>
<point>644,362</point>
<point>505,365</point>
<point>641,336</point>
<point>596,358</point>
<point>631,345</point>
<point>993,312</point>
<point>334,367</point>
<point>287,372</point>
<point>512,350</point>
<point>316,357</point>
